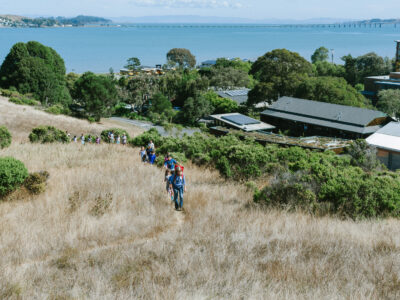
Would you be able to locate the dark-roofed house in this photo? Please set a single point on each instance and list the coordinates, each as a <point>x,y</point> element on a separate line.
<point>306,117</point>
<point>387,142</point>
<point>239,95</point>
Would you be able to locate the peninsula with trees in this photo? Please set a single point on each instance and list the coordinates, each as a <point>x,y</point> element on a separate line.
<point>21,21</point>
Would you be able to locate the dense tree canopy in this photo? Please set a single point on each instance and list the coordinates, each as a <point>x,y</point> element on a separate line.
<point>321,54</point>
<point>221,105</point>
<point>181,57</point>
<point>370,64</point>
<point>332,90</point>
<point>389,102</point>
<point>279,72</point>
<point>133,63</point>
<point>196,108</point>
<point>325,68</point>
<point>228,78</point>
<point>235,63</point>
<point>34,68</point>
<point>97,93</point>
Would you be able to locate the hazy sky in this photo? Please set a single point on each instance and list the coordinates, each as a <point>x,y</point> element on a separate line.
<point>258,9</point>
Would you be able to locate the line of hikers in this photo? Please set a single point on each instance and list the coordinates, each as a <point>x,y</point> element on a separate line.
<point>174,179</point>
<point>97,140</point>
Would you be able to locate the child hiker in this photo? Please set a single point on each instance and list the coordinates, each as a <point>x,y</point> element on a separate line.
<point>170,194</point>
<point>142,154</point>
<point>178,184</point>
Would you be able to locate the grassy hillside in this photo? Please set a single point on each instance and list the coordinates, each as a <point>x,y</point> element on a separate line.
<point>104,229</point>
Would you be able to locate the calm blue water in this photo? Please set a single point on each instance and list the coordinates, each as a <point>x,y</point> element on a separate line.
<point>98,49</point>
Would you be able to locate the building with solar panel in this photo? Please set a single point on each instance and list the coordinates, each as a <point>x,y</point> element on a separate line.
<point>308,118</point>
<point>239,96</point>
<point>240,122</point>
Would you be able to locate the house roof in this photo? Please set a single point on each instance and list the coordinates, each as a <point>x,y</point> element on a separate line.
<point>342,117</point>
<point>239,96</point>
<point>242,122</point>
<point>388,137</point>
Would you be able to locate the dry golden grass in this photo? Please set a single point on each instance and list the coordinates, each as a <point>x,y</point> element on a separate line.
<point>105,230</point>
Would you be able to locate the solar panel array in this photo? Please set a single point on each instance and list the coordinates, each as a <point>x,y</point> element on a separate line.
<point>240,120</point>
<point>237,93</point>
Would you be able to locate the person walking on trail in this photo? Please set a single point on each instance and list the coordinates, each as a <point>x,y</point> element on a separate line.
<point>97,140</point>
<point>82,139</point>
<point>111,138</point>
<point>142,154</point>
<point>68,135</point>
<point>178,184</point>
<point>118,139</point>
<point>170,163</point>
<point>170,193</point>
<point>166,157</point>
<point>89,139</point>
<point>124,138</point>
<point>75,139</point>
<point>151,145</point>
<point>152,158</point>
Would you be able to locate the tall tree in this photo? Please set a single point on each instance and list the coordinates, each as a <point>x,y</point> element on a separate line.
<point>370,64</point>
<point>321,54</point>
<point>181,57</point>
<point>34,68</point>
<point>97,93</point>
<point>196,108</point>
<point>133,63</point>
<point>389,102</point>
<point>279,73</point>
<point>332,90</point>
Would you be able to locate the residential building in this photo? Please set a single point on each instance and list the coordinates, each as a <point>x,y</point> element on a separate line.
<point>239,95</point>
<point>387,142</point>
<point>374,84</point>
<point>306,117</point>
<point>240,122</point>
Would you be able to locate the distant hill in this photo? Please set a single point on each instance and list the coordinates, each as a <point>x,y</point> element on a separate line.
<point>82,20</point>
<point>21,21</point>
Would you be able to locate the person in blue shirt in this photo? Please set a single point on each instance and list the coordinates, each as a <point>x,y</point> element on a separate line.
<point>152,158</point>
<point>170,163</point>
<point>178,184</point>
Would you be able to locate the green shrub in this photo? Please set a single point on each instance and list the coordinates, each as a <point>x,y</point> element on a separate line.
<point>48,134</point>
<point>116,132</point>
<point>6,93</point>
<point>12,175</point>
<point>318,182</point>
<point>24,101</point>
<point>35,183</point>
<point>56,109</point>
<point>145,138</point>
<point>5,137</point>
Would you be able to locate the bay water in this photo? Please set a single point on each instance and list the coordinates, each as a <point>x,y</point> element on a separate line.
<point>97,49</point>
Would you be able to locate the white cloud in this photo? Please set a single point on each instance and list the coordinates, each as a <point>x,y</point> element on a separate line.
<point>189,3</point>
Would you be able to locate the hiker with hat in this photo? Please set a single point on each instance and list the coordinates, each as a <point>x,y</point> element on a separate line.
<point>178,184</point>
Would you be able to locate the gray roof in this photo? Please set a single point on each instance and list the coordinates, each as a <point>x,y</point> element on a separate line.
<point>392,129</point>
<point>239,96</point>
<point>347,118</point>
<point>242,122</point>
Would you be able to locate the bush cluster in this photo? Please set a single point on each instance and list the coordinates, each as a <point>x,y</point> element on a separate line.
<point>115,131</point>
<point>12,175</point>
<point>5,137</point>
<point>35,183</point>
<point>24,101</point>
<point>48,134</point>
<point>319,182</point>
